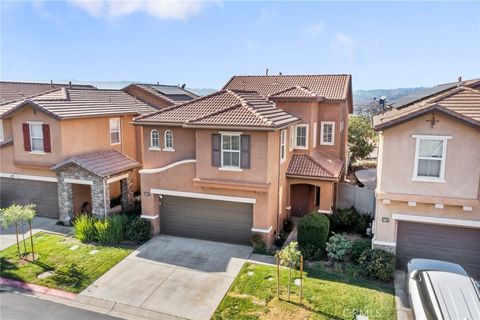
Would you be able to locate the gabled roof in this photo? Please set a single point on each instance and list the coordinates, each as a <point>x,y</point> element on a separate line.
<point>11,91</point>
<point>101,163</point>
<point>66,103</point>
<point>318,165</point>
<point>227,108</point>
<point>295,92</point>
<point>426,93</point>
<point>170,93</point>
<point>329,86</point>
<point>462,103</point>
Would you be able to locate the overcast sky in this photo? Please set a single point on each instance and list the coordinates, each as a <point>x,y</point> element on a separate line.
<point>382,44</point>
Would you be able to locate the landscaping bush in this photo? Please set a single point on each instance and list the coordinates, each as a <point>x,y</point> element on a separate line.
<point>117,225</point>
<point>311,253</point>
<point>287,225</point>
<point>350,220</point>
<point>258,244</point>
<point>84,228</point>
<point>102,231</point>
<point>377,264</point>
<point>358,247</point>
<point>139,230</point>
<point>339,248</point>
<point>313,230</point>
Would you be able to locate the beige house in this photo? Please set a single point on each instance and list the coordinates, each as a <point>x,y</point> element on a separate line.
<point>68,148</point>
<point>428,197</point>
<point>241,160</point>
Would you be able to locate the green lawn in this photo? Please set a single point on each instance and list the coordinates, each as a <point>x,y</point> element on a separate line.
<point>326,295</point>
<point>73,270</point>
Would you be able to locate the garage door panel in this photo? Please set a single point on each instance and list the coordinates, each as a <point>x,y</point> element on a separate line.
<point>206,219</point>
<point>455,244</point>
<point>43,194</point>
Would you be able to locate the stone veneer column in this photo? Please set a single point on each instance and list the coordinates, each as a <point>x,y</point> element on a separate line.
<point>65,199</point>
<point>126,186</point>
<point>100,198</point>
<point>391,249</point>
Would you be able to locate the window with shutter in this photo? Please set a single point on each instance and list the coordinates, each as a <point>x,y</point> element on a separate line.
<point>26,137</point>
<point>47,145</point>
<point>36,137</point>
<point>245,151</point>
<point>216,150</point>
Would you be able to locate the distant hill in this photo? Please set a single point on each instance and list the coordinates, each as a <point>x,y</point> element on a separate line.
<point>364,100</point>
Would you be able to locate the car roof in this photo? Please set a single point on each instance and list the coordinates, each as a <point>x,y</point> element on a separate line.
<point>456,295</point>
<point>435,265</point>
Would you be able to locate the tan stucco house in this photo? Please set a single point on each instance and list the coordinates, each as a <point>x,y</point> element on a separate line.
<point>68,148</point>
<point>241,160</point>
<point>428,197</point>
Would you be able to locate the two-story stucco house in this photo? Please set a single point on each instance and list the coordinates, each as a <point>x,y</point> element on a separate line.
<point>69,149</point>
<point>241,160</point>
<point>428,197</point>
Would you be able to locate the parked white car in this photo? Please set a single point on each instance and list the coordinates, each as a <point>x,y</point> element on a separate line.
<point>440,290</point>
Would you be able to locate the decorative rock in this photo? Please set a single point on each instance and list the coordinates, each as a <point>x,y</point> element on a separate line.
<point>250,273</point>
<point>270,279</point>
<point>361,317</point>
<point>297,282</point>
<point>93,252</point>
<point>45,274</point>
<point>75,247</point>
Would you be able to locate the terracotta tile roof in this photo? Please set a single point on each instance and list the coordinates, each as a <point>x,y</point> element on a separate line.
<point>316,165</point>
<point>101,163</point>
<point>331,87</point>
<point>169,93</point>
<point>462,102</point>
<point>66,103</point>
<point>10,91</point>
<point>225,108</point>
<point>294,92</point>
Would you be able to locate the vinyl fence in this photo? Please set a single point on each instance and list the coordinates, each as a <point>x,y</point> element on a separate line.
<point>354,196</point>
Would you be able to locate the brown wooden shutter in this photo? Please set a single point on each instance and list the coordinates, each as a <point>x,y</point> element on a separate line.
<point>245,152</point>
<point>216,150</point>
<point>47,146</point>
<point>26,137</point>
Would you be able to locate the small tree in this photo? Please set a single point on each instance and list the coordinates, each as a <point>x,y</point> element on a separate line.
<point>361,137</point>
<point>17,215</point>
<point>28,213</point>
<point>290,257</point>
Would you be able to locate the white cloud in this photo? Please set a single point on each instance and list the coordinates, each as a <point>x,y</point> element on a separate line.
<point>313,30</point>
<point>164,9</point>
<point>344,42</point>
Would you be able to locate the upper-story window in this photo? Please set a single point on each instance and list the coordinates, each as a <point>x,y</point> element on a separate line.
<point>154,139</point>
<point>283,146</point>
<point>301,136</point>
<point>2,137</point>
<point>168,140</point>
<point>327,133</point>
<point>230,150</point>
<point>114,130</point>
<point>430,158</point>
<point>36,137</point>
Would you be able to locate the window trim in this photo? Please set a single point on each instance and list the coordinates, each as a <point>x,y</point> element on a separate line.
<point>39,123</point>
<point>165,148</point>
<point>152,147</point>
<point>231,168</point>
<point>283,143</point>
<point>119,131</point>
<point>292,134</point>
<point>315,134</point>
<point>418,138</point>
<point>2,134</point>
<point>295,146</point>
<point>322,132</point>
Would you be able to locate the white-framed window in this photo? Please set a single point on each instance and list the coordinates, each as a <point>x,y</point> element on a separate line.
<point>314,134</point>
<point>430,154</point>
<point>2,137</point>
<point>301,136</point>
<point>154,139</point>
<point>114,131</point>
<point>292,135</point>
<point>230,151</point>
<point>36,136</point>
<point>327,133</point>
<point>283,146</point>
<point>168,137</point>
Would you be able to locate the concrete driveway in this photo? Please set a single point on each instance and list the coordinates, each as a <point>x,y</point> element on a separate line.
<point>179,277</point>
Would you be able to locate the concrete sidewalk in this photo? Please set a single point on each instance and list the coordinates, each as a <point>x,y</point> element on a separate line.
<point>401,298</point>
<point>8,238</point>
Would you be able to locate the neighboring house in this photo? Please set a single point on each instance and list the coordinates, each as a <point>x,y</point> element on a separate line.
<point>241,160</point>
<point>428,197</point>
<point>160,95</point>
<point>69,150</point>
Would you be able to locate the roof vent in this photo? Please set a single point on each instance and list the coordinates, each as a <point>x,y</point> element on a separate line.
<point>158,83</point>
<point>70,84</point>
<point>266,72</point>
<point>460,79</point>
<point>183,85</point>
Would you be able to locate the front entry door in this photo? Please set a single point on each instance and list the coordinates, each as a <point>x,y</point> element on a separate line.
<point>300,199</point>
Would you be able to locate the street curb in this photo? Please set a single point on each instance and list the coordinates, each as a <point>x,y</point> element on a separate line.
<point>36,288</point>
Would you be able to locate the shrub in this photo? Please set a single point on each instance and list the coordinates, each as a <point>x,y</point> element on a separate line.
<point>102,231</point>
<point>339,248</point>
<point>377,264</point>
<point>139,230</point>
<point>350,220</point>
<point>287,225</point>
<point>84,228</point>
<point>311,253</point>
<point>258,244</point>
<point>117,225</point>
<point>358,247</point>
<point>313,230</point>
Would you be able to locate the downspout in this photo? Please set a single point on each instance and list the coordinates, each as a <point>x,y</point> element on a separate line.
<point>278,176</point>
<point>105,198</point>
